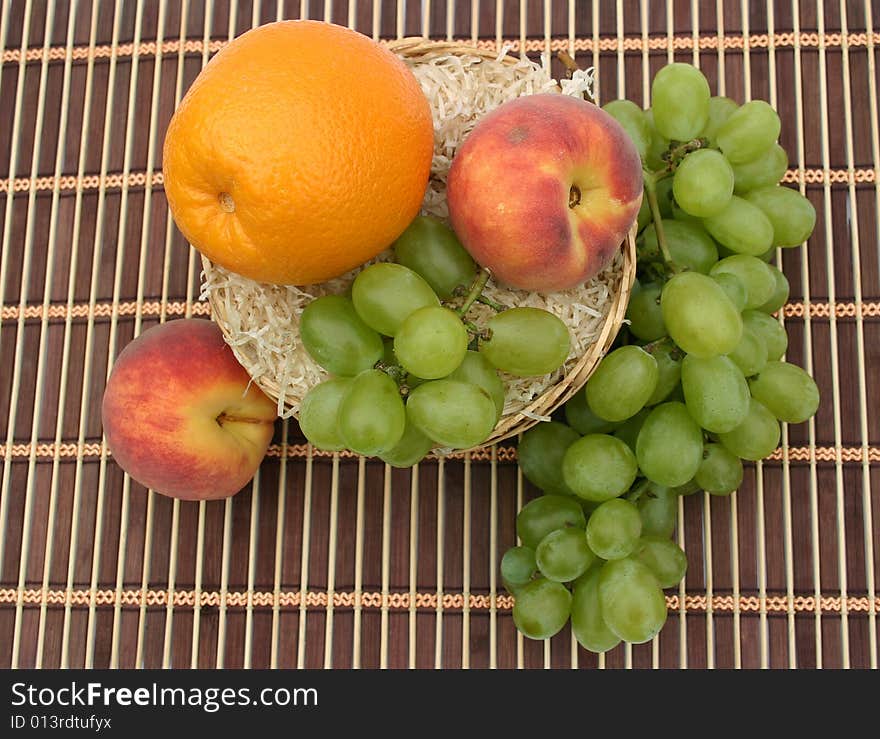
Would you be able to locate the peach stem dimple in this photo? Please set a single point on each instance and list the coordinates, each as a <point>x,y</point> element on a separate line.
<point>574,196</point>
<point>226,202</point>
<point>226,417</point>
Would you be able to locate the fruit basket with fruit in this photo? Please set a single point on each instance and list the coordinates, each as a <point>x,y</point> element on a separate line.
<point>285,338</point>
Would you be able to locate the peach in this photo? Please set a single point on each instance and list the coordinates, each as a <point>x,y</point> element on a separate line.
<point>543,191</point>
<point>180,416</point>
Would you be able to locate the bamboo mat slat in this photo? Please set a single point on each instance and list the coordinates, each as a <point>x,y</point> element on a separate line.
<point>334,561</point>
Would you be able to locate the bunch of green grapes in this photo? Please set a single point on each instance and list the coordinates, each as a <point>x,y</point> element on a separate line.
<point>596,546</point>
<point>696,385</point>
<point>409,370</point>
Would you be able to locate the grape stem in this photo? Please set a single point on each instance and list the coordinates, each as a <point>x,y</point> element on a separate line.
<point>675,352</point>
<point>473,328</point>
<point>654,345</point>
<point>394,371</point>
<point>476,290</point>
<point>651,193</point>
<point>497,307</point>
<point>675,154</point>
<point>478,333</point>
<point>637,490</point>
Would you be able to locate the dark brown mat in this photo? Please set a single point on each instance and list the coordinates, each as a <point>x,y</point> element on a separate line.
<point>346,563</point>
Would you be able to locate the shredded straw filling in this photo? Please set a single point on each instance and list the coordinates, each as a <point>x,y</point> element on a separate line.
<point>261,321</point>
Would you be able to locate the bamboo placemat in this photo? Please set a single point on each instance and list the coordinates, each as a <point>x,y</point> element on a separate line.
<point>337,561</point>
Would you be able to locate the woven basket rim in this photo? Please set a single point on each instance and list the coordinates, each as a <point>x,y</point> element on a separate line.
<point>561,391</point>
<point>419,45</point>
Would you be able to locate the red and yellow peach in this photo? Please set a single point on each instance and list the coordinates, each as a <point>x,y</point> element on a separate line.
<point>544,190</point>
<point>180,415</point>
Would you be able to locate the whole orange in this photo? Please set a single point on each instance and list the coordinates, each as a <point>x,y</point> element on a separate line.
<point>302,150</point>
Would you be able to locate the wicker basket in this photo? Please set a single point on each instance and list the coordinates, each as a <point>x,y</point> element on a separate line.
<point>513,423</point>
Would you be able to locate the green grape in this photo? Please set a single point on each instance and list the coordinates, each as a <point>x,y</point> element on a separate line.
<point>666,560</point>
<point>628,431</point>
<point>540,453</point>
<point>770,330</point>
<point>431,343</point>
<point>511,587</point>
<point>715,392</point>
<point>318,413</point>
<point>563,555</point>
<point>475,369</point>
<point>658,509</point>
<point>749,131</point>
<point>750,354</point>
<point>630,117</point>
<point>614,528</point>
<point>668,357</point>
<point>587,624</point>
<point>720,471</point>
<point>633,605</point>
<point>734,288</point>
<point>452,413</point>
<point>643,312</point>
<point>720,109</point>
<point>385,294</point>
<point>756,437</point>
<point>680,101</point>
<point>598,467</point>
<point>700,317</point>
<point>541,608</point>
<point>689,245</point>
<point>689,488</point>
<point>579,416</point>
<point>766,169</point>
<point>595,566</point>
<point>622,383</point>
<point>742,227</point>
<point>336,338</point>
<point>703,183</point>
<point>371,415</point>
<point>768,255</point>
<point>431,249</point>
<point>526,342</point>
<point>657,146</point>
<point>786,391</point>
<point>684,217</point>
<point>755,276</point>
<point>518,566</point>
<point>780,293</point>
<point>792,216</point>
<point>670,445</point>
<point>411,449</point>
<point>539,517</point>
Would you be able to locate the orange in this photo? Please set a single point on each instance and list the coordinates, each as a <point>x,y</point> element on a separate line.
<point>302,150</point>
